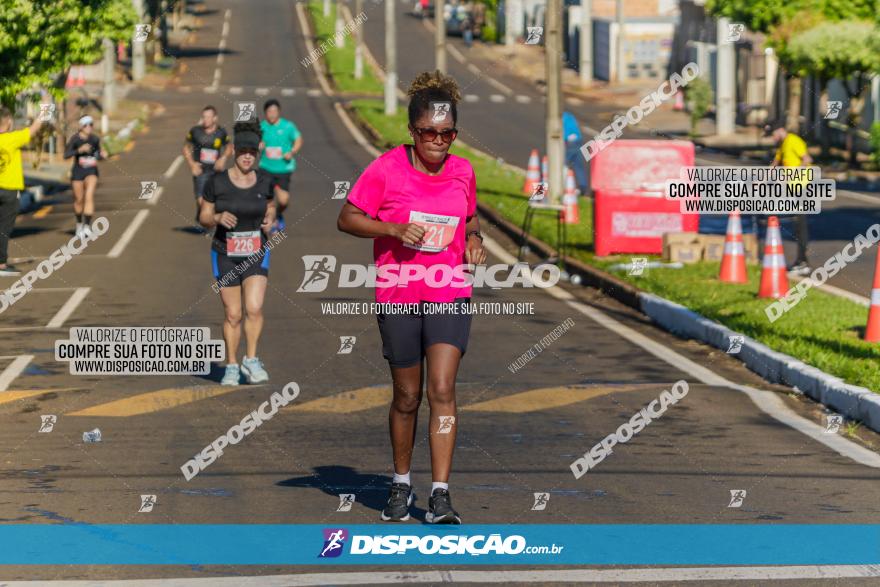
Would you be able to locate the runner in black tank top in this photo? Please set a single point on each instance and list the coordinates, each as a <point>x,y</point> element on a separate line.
<point>239,204</point>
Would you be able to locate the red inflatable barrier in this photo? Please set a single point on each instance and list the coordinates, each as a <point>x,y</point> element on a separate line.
<point>630,212</point>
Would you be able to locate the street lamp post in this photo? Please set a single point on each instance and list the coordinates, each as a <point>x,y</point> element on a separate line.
<point>553,53</point>
<point>390,59</point>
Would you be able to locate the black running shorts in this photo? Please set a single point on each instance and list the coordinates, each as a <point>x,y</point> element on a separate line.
<point>405,336</point>
<point>80,173</point>
<point>282,180</point>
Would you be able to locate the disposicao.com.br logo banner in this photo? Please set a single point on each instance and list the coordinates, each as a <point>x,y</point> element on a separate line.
<point>414,544</point>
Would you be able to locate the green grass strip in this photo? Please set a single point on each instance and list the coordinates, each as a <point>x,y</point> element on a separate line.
<point>340,62</point>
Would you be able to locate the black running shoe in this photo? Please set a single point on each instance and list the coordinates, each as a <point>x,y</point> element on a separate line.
<point>440,509</point>
<point>399,499</point>
<point>9,271</point>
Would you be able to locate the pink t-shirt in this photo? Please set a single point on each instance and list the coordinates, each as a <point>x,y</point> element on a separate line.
<point>391,190</point>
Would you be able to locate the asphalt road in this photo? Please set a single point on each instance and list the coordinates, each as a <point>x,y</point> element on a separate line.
<point>518,432</point>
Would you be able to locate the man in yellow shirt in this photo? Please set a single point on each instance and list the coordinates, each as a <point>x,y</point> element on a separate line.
<point>11,180</point>
<point>792,152</point>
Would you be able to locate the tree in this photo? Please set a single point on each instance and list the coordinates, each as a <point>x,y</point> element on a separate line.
<point>780,20</point>
<point>699,98</point>
<point>846,50</point>
<point>41,39</point>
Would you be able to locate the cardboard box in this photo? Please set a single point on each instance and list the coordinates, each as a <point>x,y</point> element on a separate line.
<point>685,252</point>
<point>750,244</point>
<point>713,246</point>
<point>677,238</point>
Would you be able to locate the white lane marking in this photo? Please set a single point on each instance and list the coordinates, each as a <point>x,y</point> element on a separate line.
<point>453,50</point>
<point>859,196</point>
<point>221,58</point>
<point>152,201</point>
<point>221,45</point>
<point>235,90</point>
<point>641,575</point>
<point>225,30</point>
<point>128,234</point>
<point>355,131</point>
<point>288,92</point>
<point>310,47</point>
<point>210,89</point>
<point>185,89</point>
<point>523,99</point>
<point>313,92</point>
<point>496,98</point>
<point>69,307</point>
<point>261,91</point>
<point>498,85</point>
<point>471,98</point>
<point>13,370</point>
<point>474,69</point>
<point>172,169</point>
<point>768,402</point>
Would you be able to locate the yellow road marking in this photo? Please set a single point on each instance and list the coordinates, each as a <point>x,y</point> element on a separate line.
<point>11,396</point>
<point>355,400</point>
<point>156,401</point>
<point>553,397</point>
<point>43,212</point>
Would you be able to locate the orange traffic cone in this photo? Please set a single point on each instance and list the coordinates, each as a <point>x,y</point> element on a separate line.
<point>872,331</point>
<point>733,263</point>
<point>533,173</point>
<point>774,278</point>
<point>571,213</point>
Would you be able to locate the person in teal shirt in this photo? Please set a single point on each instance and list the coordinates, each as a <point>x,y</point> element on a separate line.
<point>281,142</point>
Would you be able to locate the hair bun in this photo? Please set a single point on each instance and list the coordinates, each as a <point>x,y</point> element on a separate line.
<point>435,81</point>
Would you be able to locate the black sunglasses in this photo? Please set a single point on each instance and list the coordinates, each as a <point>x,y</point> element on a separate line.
<point>430,134</point>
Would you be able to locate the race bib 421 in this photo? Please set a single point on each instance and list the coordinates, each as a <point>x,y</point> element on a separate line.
<point>439,230</point>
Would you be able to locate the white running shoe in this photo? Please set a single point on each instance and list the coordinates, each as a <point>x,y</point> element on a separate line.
<point>253,370</point>
<point>231,376</point>
<point>79,229</point>
<point>87,231</point>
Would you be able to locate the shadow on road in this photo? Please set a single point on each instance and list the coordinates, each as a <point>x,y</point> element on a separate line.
<point>370,490</point>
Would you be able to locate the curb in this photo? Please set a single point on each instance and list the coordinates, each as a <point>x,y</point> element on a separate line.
<point>855,402</point>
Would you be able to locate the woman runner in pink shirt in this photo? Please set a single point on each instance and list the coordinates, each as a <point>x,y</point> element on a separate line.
<point>419,205</point>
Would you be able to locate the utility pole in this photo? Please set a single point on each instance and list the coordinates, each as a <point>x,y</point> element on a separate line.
<point>358,41</point>
<point>586,40</point>
<point>553,53</point>
<point>138,56</point>
<point>390,59</point>
<point>340,26</point>
<point>508,25</point>
<point>108,104</point>
<point>440,35</point>
<point>725,78</point>
<point>621,60</point>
